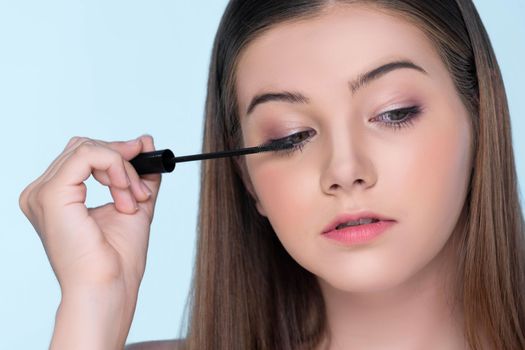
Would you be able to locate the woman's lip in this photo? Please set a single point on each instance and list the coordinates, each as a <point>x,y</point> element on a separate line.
<point>344,218</point>
<point>351,235</point>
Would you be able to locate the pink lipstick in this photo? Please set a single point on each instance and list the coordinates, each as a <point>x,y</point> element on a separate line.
<point>358,228</point>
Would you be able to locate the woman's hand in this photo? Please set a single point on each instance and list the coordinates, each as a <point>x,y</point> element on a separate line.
<point>95,249</point>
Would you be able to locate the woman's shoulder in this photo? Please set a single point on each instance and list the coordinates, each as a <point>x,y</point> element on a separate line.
<point>170,344</point>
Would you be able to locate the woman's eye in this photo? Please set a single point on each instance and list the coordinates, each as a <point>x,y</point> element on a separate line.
<point>298,139</point>
<point>399,118</point>
<point>394,119</point>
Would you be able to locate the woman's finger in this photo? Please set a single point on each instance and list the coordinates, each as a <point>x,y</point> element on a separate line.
<point>88,157</point>
<point>152,181</point>
<point>54,164</point>
<point>125,148</point>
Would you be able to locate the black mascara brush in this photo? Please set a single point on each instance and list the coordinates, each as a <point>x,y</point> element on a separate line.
<point>164,161</point>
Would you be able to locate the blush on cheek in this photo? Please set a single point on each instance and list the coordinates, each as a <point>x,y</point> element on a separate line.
<point>440,173</point>
<point>285,193</point>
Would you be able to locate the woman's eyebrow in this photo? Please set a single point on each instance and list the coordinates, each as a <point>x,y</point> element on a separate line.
<point>355,85</point>
<point>376,73</point>
<point>285,96</point>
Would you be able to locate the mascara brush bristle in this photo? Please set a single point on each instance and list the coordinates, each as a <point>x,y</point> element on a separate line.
<point>277,146</point>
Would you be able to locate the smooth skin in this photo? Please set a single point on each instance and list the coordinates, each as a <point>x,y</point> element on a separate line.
<point>98,254</point>
<point>394,293</point>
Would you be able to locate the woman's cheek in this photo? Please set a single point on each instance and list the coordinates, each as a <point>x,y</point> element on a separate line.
<point>285,192</point>
<point>447,161</point>
<point>432,181</point>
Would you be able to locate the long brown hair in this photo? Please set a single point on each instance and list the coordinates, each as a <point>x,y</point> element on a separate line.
<point>248,293</point>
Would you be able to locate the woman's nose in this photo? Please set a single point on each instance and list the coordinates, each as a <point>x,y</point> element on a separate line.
<point>347,166</point>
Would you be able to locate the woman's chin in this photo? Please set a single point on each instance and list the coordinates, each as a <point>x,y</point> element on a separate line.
<point>366,281</point>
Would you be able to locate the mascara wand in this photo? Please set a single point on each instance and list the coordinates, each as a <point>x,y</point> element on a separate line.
<point>164,161</point>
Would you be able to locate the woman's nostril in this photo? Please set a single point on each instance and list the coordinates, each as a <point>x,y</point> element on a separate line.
<point>335,187</point>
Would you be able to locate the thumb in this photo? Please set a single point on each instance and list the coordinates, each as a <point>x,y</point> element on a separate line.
<point>152,181</point>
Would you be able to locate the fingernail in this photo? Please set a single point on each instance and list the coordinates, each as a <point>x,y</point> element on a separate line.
<point>146,136</point>
<point>134,202</point>
<point>145,188</point>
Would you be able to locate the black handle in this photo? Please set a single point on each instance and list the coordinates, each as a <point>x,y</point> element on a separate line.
<point>161,161</point>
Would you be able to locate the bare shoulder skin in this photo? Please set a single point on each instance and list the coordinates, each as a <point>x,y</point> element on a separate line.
<point>171,344</point>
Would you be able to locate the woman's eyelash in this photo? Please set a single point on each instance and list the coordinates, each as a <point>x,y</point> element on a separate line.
<point>298,140</point>
<point>301,138</point>
<point>408,115</point>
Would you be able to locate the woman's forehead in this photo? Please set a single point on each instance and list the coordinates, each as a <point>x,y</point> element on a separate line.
<point>341,43</point>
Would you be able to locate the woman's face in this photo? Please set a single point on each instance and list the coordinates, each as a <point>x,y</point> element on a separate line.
<point>410,166</point>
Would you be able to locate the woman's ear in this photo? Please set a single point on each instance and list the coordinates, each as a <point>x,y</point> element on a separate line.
<point>241,166</point>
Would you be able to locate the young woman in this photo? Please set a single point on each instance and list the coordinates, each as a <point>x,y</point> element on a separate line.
<point>394,223</point>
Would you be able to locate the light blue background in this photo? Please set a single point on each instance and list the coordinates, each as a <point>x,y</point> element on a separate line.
<point>114,70</point>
